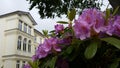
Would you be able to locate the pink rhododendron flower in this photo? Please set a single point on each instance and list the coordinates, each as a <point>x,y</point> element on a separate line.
<point>90,20</point>
<point>51,43</point>
<point>40,53</point>
<point>117,26</point>
<point>59,28</point>
<point>27,66</point>
<point>82,29</point>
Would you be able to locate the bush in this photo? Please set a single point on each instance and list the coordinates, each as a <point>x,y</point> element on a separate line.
<point>91,41</point>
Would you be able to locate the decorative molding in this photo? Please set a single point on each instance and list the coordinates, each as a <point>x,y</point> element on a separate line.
<point>15,55</point>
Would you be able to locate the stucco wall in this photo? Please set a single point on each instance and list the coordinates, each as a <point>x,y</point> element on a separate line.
<point>9,64</point>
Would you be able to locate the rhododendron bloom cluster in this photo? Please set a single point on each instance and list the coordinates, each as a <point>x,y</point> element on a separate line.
<point>46,48</point>
<point>27,66</point>
<point>92,22</point>
<point>59,28</point>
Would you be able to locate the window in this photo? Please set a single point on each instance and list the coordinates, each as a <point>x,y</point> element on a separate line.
<point>24,44</point>
<point>19,43</point>
<point>25,28</point>
<point>29,46</point>
<point>29,30</point>
<point>35,49</point>
<point>20,25</point>
<point>35,39</point>
<point>40,40</point>
<point>23,63</point>
<point>17,64</point>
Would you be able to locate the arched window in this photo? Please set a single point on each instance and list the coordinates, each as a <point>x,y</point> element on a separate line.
<point>24,44</point>
<point>19,43</point>
<point>29,46</point>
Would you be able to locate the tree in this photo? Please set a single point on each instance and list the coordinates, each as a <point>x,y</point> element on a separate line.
<point>52,8</point>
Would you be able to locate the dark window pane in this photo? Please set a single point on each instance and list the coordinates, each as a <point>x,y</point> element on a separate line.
<point>25,28</point>
<point>18,64</point>
<point>20,25</point>
<point>19,43</point>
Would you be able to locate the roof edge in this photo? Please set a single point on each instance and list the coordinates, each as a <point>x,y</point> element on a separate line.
<point>20,13</point>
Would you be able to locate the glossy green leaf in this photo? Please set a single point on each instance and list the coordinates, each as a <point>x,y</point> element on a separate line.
<point>116,10</point>
<point>91,50</point>
<point>62,22</point>
<point>114,65</point>
<point>71,14</point>
<point>69,49</point>
<point>113,41</point>
<point>52,62</point>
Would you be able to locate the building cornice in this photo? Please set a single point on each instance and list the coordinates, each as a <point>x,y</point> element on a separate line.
<point>16,55</point>
<point>20,13</point>
<point>16,30</point>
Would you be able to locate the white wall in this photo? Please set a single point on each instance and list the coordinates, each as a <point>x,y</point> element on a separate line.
<point>11,44</point>
<point>2,39</point>
<point>10,64</point>
<point>11,22</point>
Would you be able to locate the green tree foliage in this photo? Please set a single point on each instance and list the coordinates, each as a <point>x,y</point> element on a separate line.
<point>52,8</point>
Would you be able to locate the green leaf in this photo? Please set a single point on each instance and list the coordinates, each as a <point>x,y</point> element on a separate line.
<point>52,31</point>
<point>91,50</point>
<point>33,64</point>
<point>113,41</point>
<point>115,11</point>
<point>107,13</point>
<point>69,49</point>
<point>62,22</point>
<point>114,65</point>
<point>52,62</point>
<point>71,14</point>
<point>30,63</point>
<point>45,33</point>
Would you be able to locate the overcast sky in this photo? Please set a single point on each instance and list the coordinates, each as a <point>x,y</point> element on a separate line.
<point>7,6</point>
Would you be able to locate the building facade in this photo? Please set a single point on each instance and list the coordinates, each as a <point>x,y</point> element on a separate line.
<point>18,39</point>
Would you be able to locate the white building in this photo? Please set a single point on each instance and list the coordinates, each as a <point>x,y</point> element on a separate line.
<point>18,39</point>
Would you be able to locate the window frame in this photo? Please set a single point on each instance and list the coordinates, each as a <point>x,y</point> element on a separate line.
<point>29,30</point>
<point>40,40</point>
<point>19,43</point>
<point>35,39</point>
<point>20,25</point>
<point>25,27</point>
<point>29,46</point>
<point>18,64</point>
<point>24,44</point>
<point>23,64</point>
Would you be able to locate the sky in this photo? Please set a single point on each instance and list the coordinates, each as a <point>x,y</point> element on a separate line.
<point>7,6</point>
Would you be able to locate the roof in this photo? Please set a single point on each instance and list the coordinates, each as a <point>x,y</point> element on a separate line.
<point>20,13</point>
<point>38,32</point>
